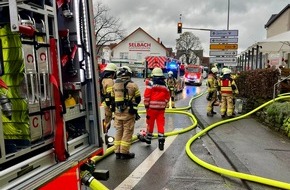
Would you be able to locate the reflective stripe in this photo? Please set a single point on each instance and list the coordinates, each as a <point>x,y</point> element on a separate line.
<point>117,143</point>
<point>156,106</point>
<point>157,102</point>
<point>137,93</point>
<point>124,143</point>
<point>109,89</point>
<point>119,99</point>
<point>226,90</point>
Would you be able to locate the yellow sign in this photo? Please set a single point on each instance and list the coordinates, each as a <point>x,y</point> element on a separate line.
<point>223,46</point>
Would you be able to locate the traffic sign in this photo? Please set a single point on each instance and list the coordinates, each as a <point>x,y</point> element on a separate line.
<point>223,59</point>
<point>223,46</point>
<point>223,53</point>
<point>230,64</point>
<point>223,40</point>
<point>220,33</point>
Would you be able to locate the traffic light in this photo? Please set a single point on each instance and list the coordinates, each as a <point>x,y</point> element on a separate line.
<point>179,28</point>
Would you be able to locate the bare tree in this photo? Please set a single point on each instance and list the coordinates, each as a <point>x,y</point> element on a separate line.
<point>187,46</point>
<point>107,28</point>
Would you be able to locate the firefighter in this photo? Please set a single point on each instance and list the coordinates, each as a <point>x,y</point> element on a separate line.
<point>212,84</point>
<point>126,97</point>
<point>107,82</point>
<point>228,89</point>
<point>171,84</point>
<point>156,97</point>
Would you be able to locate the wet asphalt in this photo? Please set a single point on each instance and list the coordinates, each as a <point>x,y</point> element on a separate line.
<point>245,146</point>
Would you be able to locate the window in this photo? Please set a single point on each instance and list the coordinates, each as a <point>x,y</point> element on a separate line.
<point>139,56</point>
<point>123,55</point>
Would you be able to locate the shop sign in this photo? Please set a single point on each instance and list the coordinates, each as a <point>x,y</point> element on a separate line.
<point>139,46</point>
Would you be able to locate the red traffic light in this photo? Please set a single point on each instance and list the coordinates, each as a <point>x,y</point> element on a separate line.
<point>179,28</point>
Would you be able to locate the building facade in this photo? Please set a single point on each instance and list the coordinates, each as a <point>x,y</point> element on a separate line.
<point>278,23</point>
<point>134,49</point>
<point>274,51</point>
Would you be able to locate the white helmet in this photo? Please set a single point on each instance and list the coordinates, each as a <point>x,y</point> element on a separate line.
<point>227,71</point>
<point>124,71</point>
<point>170,73</point>
<point>157,72</point>
<point>111,67</point>
<point>127,68</point>
<point>214,70</point>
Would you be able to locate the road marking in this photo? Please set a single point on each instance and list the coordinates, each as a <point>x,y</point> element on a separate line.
<point>144,167</point>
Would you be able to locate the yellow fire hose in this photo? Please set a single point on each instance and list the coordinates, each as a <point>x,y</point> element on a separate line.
<point>223,171</point>
<point>183,110</point>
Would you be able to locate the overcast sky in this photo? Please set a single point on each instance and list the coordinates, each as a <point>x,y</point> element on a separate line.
<point>159,18</point>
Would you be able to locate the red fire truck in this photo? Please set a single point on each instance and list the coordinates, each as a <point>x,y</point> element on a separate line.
<point>166,64</point>
<point>194,74</point>
<point>51,114</point>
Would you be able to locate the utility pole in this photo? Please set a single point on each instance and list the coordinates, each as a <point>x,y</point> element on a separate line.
<point>228,21</point>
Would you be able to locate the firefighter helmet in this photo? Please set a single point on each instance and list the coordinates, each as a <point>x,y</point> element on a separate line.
<point>124,71</point>
<point>223,69</point>
<point>227,71</point>
<point>214,70</point>
<point>170,73</point>
<point>111,67</point>
<point>157,72</point>
<point>127,69</point>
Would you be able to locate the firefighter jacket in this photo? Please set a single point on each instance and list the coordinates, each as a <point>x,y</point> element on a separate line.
<point>156,96</point>
<point>212,83</point>
<point>171,82</point>
<point>129,96</point>
<point>227,86</point>
<point>107,85</point>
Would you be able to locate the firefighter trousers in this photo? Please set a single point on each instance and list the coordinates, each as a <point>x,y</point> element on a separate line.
<point>158,116</point>
<point>124,133</point>
<point>210,104</point>
<point>171,103</point>
<point>108,117</point>
<point>227,105</point>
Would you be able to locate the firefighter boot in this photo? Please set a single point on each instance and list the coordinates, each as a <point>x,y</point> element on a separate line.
<point>127,156</point>
<point>161,144</point>
<point>173,104</point>
<point>118,155</point>
<point>209,114</point>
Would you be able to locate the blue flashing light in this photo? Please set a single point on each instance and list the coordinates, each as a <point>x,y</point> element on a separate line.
<point>172,65</point>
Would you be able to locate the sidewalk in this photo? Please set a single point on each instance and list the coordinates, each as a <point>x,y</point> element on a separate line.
<point>251,147</point>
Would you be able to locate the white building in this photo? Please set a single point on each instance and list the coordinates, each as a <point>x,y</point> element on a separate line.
<point>133,50</point>
<point>275,49</point>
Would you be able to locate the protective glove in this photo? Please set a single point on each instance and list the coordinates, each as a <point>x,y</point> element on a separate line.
<point>234,87</point>
<point>137,117</point>
<point>113,108</point>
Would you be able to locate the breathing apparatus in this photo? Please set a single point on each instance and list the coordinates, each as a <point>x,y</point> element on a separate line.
<point>121,93</point>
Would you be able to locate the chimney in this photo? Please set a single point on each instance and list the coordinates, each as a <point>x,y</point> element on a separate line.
<point>158,40</point>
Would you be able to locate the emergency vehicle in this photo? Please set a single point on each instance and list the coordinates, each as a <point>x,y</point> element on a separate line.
<point>51,114</point>
<point>166,64</point>
<point>194,74</point>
